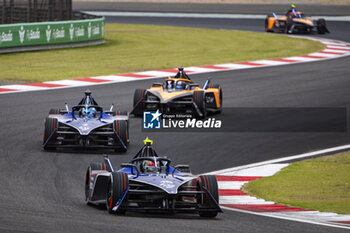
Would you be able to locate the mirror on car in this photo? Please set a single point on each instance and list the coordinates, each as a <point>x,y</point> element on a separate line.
<point>156,84</point>
<point>193,85</point>
<point>130,165</point>
<point>182,168</point>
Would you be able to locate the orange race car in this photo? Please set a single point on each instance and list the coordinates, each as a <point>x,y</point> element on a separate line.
<point>294,22</point>
<point>179,94</point>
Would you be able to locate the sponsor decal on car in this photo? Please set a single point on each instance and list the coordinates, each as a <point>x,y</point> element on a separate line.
<point>167,184</point>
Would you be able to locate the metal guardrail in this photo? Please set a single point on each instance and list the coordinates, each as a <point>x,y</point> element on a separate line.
<point>19,11</point>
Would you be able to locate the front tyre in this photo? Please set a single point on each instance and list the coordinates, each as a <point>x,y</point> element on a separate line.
<point>139,106</point>
<point>118,183</point>
<point>210,184</point>
<point>50,128</point>
<point>120,113</point>
<point>199,100</point>
<point>93,167</point>
<point>122,134</point>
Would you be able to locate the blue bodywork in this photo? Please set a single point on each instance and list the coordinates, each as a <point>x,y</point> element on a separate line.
<point>74,128</point>
<point>85,125</point>
<point>167,182</point>
<point>162,188</point>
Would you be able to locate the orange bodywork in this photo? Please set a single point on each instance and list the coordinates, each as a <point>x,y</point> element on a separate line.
<point>271,21</point>
<point>305,21</point>
<point>167,95</point>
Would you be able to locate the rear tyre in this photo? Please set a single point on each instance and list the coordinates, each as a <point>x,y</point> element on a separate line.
<point>210,183</point>
<point>120,113</point>
<point>321,26</point>
<point>139,96</point>
<point>220,95</point>
<point>289,24</point>
<point>118,183</point>
<point>54,111</point>
<point>50,128</point>
<point>122,134</point>
<point>199,100</point>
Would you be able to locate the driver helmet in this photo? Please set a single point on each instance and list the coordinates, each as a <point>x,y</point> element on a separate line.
<point>149,166</point>
<point>89,112</point>
<point>293,10</point>
<point>148,163</point>
<point>180,85</point>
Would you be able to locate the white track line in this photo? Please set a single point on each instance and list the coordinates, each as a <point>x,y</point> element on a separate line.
<point>280,160</point>
<point>328,53</point>
<point>115,78</point>
<point>157,73</point>
<point>271,215</point>
<point>261,170</point>
<point>232,185</point>
<point>199,69</point>
<point>243,200</point>
<point>268,168</point>
<point>71,82</point>
<point>23,87</point>
<point>200,15</point>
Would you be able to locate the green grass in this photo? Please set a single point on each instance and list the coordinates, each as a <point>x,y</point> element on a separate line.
<point>322,184</point>
<point>132,48</point>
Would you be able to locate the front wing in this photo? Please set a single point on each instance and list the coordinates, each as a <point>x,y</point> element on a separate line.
<point>65,136</point>
<point>182,104</point>
<point>144,197</point>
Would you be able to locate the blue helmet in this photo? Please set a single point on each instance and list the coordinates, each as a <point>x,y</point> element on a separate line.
<point>180,85</point>
<point>89,112</point>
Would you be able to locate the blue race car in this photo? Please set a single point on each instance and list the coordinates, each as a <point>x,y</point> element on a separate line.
<point>87,125</point>
<point>148,183</point>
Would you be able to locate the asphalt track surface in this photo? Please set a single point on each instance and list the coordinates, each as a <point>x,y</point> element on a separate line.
<point>44,191</point>
<point>210,8</point>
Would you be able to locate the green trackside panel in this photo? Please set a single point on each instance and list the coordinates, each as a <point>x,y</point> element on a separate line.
<point>46,33</point>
